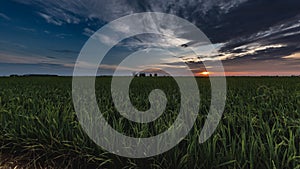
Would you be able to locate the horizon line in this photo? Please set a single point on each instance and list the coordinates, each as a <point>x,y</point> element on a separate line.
<point>56,75</point>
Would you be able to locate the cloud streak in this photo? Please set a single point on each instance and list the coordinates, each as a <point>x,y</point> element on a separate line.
<point>31,59</point>
<point>50,19</point>
<point>2,15</point>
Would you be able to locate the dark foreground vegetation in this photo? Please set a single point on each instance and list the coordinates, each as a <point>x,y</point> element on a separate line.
<point>260,127</point>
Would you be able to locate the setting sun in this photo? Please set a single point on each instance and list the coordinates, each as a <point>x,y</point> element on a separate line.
<point>205,73</point>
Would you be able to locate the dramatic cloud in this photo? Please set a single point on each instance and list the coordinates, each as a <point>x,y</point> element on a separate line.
<point>245,33</point>
<point>292,56</point>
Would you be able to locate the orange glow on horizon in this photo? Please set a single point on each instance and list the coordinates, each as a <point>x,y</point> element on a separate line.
<point>205,73</point>
<point>246,73</point>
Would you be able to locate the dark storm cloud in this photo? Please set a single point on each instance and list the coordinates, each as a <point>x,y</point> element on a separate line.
<point>250,18</point>
<point>263,22</point>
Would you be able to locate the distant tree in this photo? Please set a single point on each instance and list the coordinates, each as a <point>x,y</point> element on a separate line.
<point>134,74</point>
<point>142,74</point>
<point>14,75</point>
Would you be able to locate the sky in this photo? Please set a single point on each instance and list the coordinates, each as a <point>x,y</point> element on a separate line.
<point>252,37</point>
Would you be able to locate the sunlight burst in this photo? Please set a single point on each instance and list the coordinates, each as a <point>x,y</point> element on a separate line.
<point>205,73</point>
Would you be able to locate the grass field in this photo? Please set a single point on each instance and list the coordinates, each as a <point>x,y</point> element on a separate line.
<point>260,127</point>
